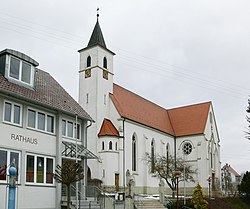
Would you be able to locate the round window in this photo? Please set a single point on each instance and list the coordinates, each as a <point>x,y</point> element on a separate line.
<point>187,148</point>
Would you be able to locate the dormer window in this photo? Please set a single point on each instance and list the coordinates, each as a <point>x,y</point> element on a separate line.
<point>20,70</point>
<point>17,67</point>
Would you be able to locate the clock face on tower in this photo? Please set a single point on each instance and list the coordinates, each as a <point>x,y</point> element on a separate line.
<point>87,73</point>
<point>105,74</point>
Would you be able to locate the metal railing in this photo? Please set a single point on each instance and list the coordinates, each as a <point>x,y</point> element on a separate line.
<point>93,196</point>
<point>99,196</point>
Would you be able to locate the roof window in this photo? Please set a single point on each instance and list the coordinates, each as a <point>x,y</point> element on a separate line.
<point>20,70</point>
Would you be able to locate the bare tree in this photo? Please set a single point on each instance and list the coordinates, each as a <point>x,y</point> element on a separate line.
<point>248,121</point>
<point>70,172</point>
<point>165,168</point>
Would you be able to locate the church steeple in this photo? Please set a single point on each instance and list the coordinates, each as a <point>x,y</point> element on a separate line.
<point>97,37</point>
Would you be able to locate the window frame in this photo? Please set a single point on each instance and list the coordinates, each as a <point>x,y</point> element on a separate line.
<point>65,129</point>
<point>21,69</point>
<point>12,117</point>
<point>46,116</point>
<point>35,171</point>
<point>9,151</point>
<point>187,148</point>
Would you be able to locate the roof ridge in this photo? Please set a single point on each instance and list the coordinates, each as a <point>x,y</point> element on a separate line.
<point>191,105</point>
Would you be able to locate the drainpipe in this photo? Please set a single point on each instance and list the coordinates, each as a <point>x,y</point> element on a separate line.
<point>123,124</point>
<point>175,152</point>
<point>85,160</point>
<point>124,184</point>
<point>76,162</point>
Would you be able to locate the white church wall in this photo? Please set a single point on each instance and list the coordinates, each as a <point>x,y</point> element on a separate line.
<point>145,135</point>
<point>196,158</point>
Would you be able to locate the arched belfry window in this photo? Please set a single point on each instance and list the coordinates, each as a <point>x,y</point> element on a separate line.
<point>88,61</point>
<point>152,156</point>
<point>105,63</point>
<point>134,153</point>
<point>103,145</point>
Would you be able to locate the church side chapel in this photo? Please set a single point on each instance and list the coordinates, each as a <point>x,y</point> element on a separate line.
<point>127,126</point>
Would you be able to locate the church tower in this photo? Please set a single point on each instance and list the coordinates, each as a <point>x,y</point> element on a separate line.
<point>95,83</point>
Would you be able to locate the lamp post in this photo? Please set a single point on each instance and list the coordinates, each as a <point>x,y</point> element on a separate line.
<point>12,187</point>
<point>209,190</point>
<point>177,174</point>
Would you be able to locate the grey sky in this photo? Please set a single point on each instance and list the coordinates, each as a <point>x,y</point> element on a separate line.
<point>172,52</point>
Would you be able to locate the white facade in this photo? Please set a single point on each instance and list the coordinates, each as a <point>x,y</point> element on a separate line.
<point>96,96</point>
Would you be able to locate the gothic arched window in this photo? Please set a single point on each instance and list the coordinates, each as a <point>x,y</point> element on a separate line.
<point>88,61</point>
<point>105,63</point>
<point>134,154</point>
<point>152,156</point>
<point>110,145</point>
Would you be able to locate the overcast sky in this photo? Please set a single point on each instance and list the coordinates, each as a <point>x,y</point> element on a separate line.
<point>172,52</point>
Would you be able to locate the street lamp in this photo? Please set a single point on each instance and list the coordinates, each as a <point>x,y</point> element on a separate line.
<point>177,174</point>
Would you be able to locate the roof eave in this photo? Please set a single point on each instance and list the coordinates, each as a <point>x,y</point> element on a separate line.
<point>89,47</point>
<point>17,96</point>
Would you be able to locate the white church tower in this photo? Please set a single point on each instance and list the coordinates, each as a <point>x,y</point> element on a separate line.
<point>95,85</point>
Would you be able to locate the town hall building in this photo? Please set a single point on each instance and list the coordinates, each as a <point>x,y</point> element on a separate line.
<point>127,126</point>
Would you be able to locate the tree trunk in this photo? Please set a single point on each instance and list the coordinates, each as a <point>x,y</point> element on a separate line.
<point>68,197</point>
<point>173,193</point>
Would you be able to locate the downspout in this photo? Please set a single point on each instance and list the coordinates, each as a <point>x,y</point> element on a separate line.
<point>85,161</point>
<point>123,124</point>
<point>175,152</point>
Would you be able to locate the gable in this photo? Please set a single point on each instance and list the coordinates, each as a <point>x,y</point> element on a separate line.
<point>108,129</point>
<point>189,120</point>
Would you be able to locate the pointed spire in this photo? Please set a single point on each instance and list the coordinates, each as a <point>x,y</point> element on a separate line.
<point>97,37</point>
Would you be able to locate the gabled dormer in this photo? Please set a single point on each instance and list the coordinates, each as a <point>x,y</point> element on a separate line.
<point>17,67</point>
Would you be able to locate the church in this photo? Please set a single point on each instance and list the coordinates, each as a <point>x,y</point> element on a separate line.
<point>127,126</point>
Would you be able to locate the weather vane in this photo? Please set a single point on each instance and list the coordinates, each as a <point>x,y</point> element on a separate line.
<point>97,13</point>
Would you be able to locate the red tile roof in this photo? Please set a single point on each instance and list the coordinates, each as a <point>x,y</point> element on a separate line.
<point>182,121</point>
<point>234,172</point>
<point>189,120</point>
<point>108,129</point>
<point>47,92</point>
<point>138,109</point>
